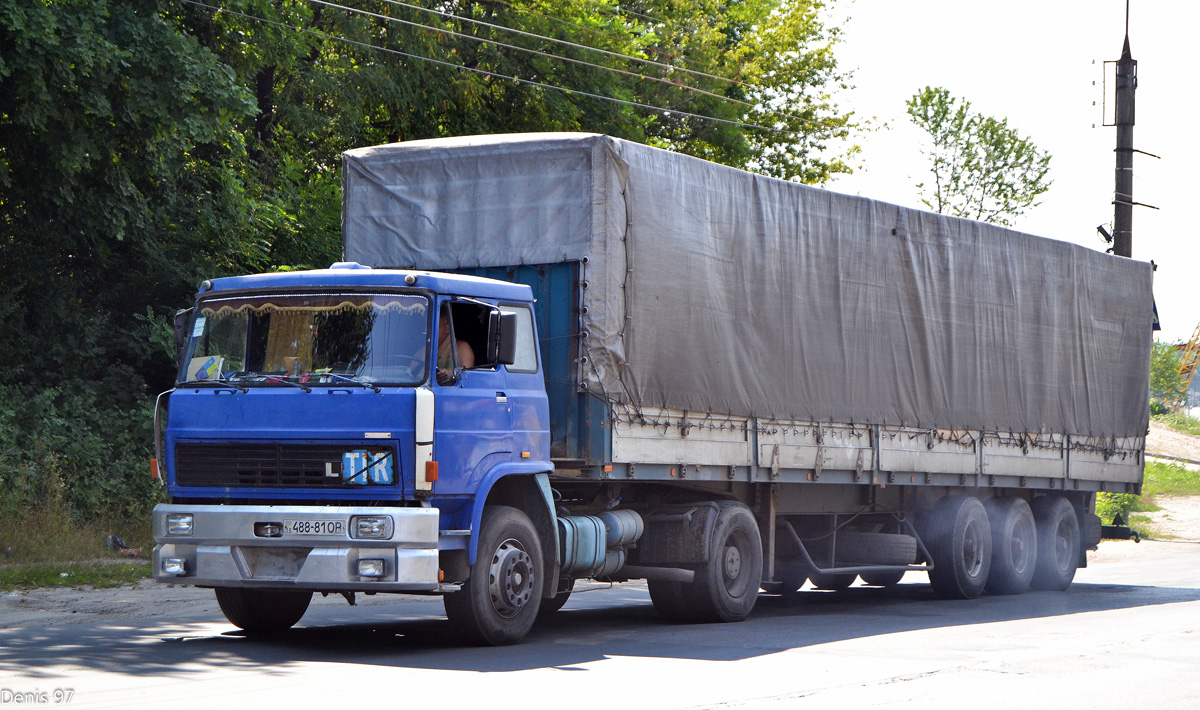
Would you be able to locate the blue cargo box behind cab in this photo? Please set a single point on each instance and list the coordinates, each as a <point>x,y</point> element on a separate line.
<point>579,421</point>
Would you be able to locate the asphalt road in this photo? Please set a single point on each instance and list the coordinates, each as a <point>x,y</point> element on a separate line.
<point>1127,634</point>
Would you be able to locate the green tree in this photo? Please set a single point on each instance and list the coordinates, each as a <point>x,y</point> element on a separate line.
<point>982,168</point>
<point>327,79</point>
<point>148,144</point>
<point>1167,386</point>
<point>119,180</point>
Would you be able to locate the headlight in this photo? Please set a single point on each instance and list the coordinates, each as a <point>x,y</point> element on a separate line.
<point>180,523</point>
<point>371,568</point>
<point>371,527</point>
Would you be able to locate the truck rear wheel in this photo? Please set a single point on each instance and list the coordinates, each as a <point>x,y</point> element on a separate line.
<point>726,586</point>
<point>1014,545</point>
<point>1057,543</point>
<point>670,601</point>
<point>262,611</point>
<point>498,604</point>
<point>960,541</point>
<point>556,602</point>
<point>727,582</point>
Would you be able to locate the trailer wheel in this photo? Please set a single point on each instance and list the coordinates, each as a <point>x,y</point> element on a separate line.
<point>1014,545</point>
<point>882,579</point>
<point>262,611</point>
<point>960,541</point>
<point>832,581</point>
<point>556,602</point>
<point>1058,543</point>
<point>498,604</point>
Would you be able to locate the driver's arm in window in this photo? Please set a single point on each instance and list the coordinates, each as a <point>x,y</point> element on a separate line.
<point>449,349</point>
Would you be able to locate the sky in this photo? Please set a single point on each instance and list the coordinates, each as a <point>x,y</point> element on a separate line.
<point>1040,65</point>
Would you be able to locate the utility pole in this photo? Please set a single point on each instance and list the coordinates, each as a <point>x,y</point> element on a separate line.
<point>1123,195</point>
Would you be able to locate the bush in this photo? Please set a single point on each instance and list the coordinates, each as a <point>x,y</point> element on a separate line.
<point>77,450</point>
<point>1110,505</point>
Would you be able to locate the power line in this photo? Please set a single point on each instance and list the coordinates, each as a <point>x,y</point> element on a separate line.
<point>484,72</point>
<point>593,31</point>
<point>566,43</point>
<point>528,50</point>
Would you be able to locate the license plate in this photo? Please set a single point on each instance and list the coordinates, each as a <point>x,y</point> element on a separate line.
<point>314,527</point>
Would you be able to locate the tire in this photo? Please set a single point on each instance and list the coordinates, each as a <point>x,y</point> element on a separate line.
<point>727,583</point>
<point>499,602</point>
<point>670,601</point>
<point>882,579</point>
<point>1058,543</point>
<point>960,541</point>
<point>868,548</point>
<point>262,611</point>
<point>726,586</point>
<point>1014,545</point>
<point>833,581</point>
<point>791,575</point>
<point>556,602</point>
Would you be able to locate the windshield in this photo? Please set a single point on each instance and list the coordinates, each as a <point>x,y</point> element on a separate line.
<point>309,339</point>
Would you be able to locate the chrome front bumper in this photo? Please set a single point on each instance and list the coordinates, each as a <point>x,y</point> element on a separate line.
<point>223,549</point>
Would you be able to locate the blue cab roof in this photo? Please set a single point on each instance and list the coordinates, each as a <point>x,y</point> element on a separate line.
<point>343,274</point>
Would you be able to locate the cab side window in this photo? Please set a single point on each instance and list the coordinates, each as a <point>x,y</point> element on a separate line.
<point>527,356</point>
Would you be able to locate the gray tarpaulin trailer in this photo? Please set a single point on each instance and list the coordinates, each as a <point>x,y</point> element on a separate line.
<point>773,373</point>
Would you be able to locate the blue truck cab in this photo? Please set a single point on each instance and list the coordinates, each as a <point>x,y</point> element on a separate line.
<point>326,435</point>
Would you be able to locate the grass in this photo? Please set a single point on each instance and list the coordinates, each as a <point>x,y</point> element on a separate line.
<point>97,574</point>
<point>1164,479</point>
<point>1143,526</point>
<point>45,549</point>
<point>1180,421</point>
<point>1161,480</point>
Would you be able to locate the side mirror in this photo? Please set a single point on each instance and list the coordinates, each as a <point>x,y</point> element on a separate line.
<point>181,321</point>
<point>502,338</point>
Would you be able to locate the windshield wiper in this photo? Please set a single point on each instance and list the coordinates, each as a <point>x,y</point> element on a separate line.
<point>289,383</point>
<point>218,382</point>
<point>259,377</point>
<point>351,380</point>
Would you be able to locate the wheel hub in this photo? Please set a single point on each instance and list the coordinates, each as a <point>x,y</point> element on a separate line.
<point>510,578</point>
<point>733,562</point>
<point>973,550</point>
<point>1062,547</point>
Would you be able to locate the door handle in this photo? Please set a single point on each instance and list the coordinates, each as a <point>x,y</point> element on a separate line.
<point>501,398</point>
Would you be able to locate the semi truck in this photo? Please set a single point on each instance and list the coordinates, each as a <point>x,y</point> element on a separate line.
<point>555,357</point>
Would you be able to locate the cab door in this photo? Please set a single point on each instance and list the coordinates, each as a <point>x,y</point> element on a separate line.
<point>472,411</point>
<point>527,391</point>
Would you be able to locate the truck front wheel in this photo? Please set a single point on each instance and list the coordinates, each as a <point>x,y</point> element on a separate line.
<point>263,611</point>
<point>498,604</point>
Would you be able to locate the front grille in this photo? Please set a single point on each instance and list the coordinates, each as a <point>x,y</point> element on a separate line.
<point>260,465</point>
